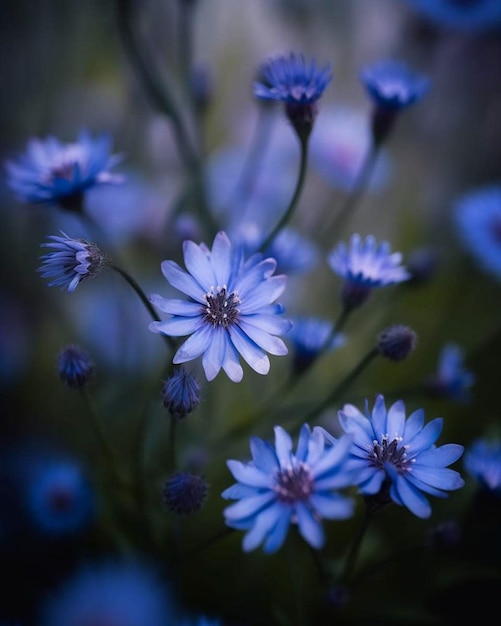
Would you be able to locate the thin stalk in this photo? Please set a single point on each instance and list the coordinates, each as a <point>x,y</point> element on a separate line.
<point>225,532</point>
<point>172,459</point>
<point>349,566</point>
<point>303,166</point>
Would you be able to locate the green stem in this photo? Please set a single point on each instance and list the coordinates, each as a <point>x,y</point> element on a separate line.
<point>359,188</point>
<point>303,166</point>
<point>225,532</point>
<point>349,566</point>
<point>172,460</point>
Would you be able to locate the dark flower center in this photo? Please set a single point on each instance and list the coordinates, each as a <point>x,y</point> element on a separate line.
<point>294,484</point>
<point>388,451</point>
<point>221,308</point>
<point>61,500</point>
<point>63,170</point>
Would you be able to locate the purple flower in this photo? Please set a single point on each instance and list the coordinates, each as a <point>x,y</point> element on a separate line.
<point>392,85</point>
<point>482,461</point>
<point>229,311</point>
<point>452,380</point>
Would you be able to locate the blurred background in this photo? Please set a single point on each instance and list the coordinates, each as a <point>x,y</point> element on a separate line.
<point>64,69</point>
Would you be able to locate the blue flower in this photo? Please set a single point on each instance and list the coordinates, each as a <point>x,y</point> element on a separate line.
<point>279,487</point>
<point>74,366</point>
<point>452,380</point>
<point>292,80</point>
<point>392,85</point>
<point>73,261</point>
<point>59,497</point>
<point>181,393</point>
<point>396,457</point>
<point>122,593</point>
<point>463,15</point>
<point>229,310</point>
<point>184,493</point>
<point>482,461</point>
<point>365,265</point>
<point>478,220</point>
<point>54,173</point>
<point>309,336</point>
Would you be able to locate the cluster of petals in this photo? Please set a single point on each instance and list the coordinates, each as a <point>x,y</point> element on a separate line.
<point>392,85</point>
<point>482,461</point>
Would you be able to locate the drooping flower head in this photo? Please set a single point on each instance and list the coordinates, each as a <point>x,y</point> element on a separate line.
<point>478,220</point>
<point>461,15</point>
<point>121,593</point>
<point>482,461</point>
<point>296,83</point>
<point>74,366</point>
<point>279,487</point>
<point>392,87</point>
<point>310,336</point>
<point>365,265</point>
<point>229,310</point>
<point>396,456</point>
<point>53,173</point>
<point>73,261</point>
<point>452,379</point>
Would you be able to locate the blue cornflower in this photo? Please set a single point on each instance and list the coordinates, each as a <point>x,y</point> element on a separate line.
<point>452,380</point>
<point>310,336</point>
<point>464,15</point>
<point>396,457</point>
<point>296,83</point>
<point>482,461</point>
<point>229,310</point>
<point>478,220</point>
<point>365,265</point>
<point>181,393</point>
<point>54,173</point>
<point>59,497</point>
<point>279,487</point>
<point>74,366</point>
<point>392,85</point>
<point>73,261</point>
<point>122,593</point>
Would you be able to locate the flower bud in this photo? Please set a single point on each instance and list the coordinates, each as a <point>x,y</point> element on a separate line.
<point>181,394</point>
<point>397,342</point>
<point>184,493</point>
<point>74,366</point>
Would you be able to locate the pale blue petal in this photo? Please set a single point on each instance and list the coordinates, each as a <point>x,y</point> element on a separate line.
<point>396,419</point>
<point>265,294</point>
<point>182,281</point>
<point>252,279</point>
<point>332,506</point>
<point>263,454</point>
<point>412,498</point>
<point>231,363</point>
<point>283,447</point>
<point>194,346</point>
<point>270,343</point>
<point>413,424</point>
<point>425,438</point>
<point>333,457</point>
<point>251,353</point>
<point>238,491</point>
<point>278,534</point>
<point>177,326</point>
<point>198,265</point>
<point>442,456</point>
<point>172,306</point>
<point>265,521</point>
<point>379,418</point>
<point>248,506</point>
<point>213,357</point>
<point>445,478</point>
<point>310,528</point>
<point>221,259</point>
<point>272,324</point>
<point>249,475</point>
<point>303,443</point>
<point>373,485</point>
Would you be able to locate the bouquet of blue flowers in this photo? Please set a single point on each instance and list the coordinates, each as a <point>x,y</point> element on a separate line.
<point>238,420</point>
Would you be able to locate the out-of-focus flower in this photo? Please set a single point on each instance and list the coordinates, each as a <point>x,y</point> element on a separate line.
<point>185,493</point>
<point>54,173</point>
<point>296,83</point>
<point>339,146</point>
<point>74,366</point>
<point>122,593</point>
<point>397,458</point>
<point>181,393</point>
<point>397,342</point>
<point>478,220</point>
<point>279,487</point>
<point>73,261</point>
<point>422,265</point>
<point>59,497</point>
<point>461,15</point>
<point>309,336</point>
<point>230,310</point>
<point>392,85</point>
<point>452,380</point>
<point>365,265</point>
<point>482,461</point>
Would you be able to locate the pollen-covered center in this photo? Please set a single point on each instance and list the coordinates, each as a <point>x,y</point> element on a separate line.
<point>388,451</point>
<point>221,308</point>
<point>294,484</point>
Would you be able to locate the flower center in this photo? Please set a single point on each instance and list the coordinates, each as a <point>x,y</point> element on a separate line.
<point>221,308</point>
<point>294,484</point>
<point>388,451</point>
<point>61,500</point>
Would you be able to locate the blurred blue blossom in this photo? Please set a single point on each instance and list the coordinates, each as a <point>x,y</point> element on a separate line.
<point>59,497</point>
<point>478,220</point>
<point>482,460</point>
<point>309,336</point>
<point>230,310</point>
<point>73,261</point>
<point>396,457</point>
<point>279,487</point>
<point>463,15</point>
<point>452,380</point>
<point>74,366</point>
<point>54,173</point>
<point>118,592</point>
<point>392,85</point>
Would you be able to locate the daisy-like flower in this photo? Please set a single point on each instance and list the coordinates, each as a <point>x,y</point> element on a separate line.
<point>278,488</point>
<point>296,83</point>
<point>365,265</point>
<point>54,173</point>
<point>482,461</point>
<point>452,380</point>
<point>396,457</point>
<point>73,261</point>
<point>59,497</point>
<point>230,309</point>
<point>464,15</point>
<point>478,220</point>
